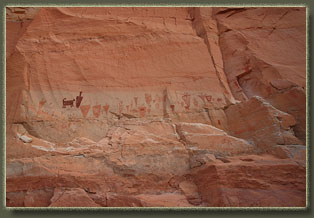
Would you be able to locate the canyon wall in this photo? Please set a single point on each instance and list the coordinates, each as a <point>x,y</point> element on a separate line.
<point>156,106</point>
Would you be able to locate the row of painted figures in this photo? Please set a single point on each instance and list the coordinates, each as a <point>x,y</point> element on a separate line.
<point>71,102</point>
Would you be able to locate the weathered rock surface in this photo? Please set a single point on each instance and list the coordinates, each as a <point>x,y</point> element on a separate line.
<point>251,181</point>
<point>156,107</point>
<point>264,55</point>
<point>260,122</point>
<point>73,197</point>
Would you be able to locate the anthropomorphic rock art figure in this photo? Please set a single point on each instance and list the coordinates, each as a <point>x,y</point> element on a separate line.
<point>79,99</point>
<point>68,102</point>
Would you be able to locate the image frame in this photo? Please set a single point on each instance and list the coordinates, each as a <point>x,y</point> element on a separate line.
<point>95,211</point>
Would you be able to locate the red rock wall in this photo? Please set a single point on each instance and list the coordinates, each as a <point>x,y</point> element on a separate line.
<point>151,64</point>
<point>265,55</point>
<point>156,106</point>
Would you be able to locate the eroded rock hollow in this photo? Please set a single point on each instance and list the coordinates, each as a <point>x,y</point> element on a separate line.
<point>156,107</point>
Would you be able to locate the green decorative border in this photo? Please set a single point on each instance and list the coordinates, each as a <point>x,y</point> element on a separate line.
<point>157,211</point>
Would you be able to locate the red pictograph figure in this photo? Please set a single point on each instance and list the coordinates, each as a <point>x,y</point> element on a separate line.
<point>106,108</point>
<point>202,97</point>
<point>96,110</point>
<point>68,102</point>
<point>142,111</point>
<point>209,98</point>
<point>135,100</point>
<point>186,99</point>
<point>148,98</point>
<point>172,107</point>
<point>79,100</point>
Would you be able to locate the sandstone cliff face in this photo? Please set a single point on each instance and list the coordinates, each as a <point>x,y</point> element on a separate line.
<point>155,107</point>
<point>264,56</point>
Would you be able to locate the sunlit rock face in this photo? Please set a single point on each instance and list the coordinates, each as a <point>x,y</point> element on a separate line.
<point>155,107</point>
